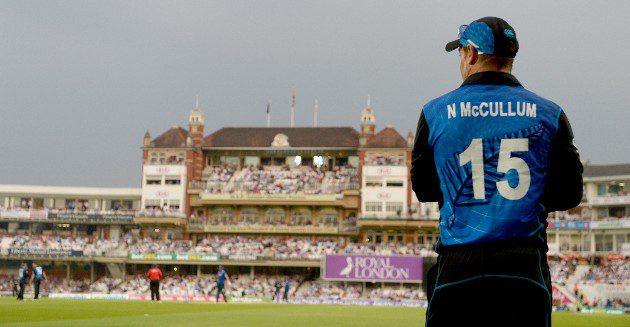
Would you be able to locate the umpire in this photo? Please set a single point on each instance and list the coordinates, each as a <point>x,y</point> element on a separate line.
<point>154,275</point>
<point>497,158</point>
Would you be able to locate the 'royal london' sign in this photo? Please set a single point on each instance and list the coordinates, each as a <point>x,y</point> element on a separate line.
<point>369,268</point>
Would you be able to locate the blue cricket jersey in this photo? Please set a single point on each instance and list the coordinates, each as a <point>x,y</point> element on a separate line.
<point>22,274</point>
<point>221,277</point>
<point>490,145</point>
<point>38,271</point>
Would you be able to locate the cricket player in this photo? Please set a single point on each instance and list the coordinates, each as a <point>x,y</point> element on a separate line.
<point>154,275</point>
<point>287,287</point>
<point>497,158</point>
<point>23,277</point>
<point>37,277</point>
<point>276,295</point>
<point>222,278</point>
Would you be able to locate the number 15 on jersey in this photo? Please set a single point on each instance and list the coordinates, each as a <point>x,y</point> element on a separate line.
<point>474,155</point>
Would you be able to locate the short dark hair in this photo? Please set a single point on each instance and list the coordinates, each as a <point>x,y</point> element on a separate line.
<point>496,61</point>
<point>499,62</point>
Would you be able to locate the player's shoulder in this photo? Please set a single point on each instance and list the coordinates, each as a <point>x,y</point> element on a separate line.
<point>544,101</point>
<point>441,100</point>
<point>439,104</point>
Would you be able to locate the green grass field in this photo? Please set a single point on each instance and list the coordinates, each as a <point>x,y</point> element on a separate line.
<point>85,313</point>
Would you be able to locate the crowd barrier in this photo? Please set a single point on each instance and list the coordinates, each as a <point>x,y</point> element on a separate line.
<point>146,297</point>
<point>44,252</point>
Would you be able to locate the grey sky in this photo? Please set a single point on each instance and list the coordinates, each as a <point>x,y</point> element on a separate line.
<point>82,81</point>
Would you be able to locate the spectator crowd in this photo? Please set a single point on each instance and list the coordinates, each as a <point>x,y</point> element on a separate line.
<point>284,179</point>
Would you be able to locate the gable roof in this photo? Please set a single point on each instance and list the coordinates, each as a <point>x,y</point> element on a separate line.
<point>606,170</point>
<point>298,137</point>
<point>175,137</point>
<point>387,138</point>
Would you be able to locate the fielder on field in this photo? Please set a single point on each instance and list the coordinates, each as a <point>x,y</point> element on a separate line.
<point>222,278</point>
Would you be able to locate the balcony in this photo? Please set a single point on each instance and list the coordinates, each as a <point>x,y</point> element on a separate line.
<point>610,199</point>
<point>398,221</point>
<point>198,226</point>
<point>68,216</point>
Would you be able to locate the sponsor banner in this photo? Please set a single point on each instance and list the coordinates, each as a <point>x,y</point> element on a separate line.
<point>45,252</point>
<point>385,170</point>
<point>370,268</point>
<point>557,224</point>
<point>270,197</point>
<point>560,296</point>
<point>39,214</point>
<point>211,298</point>
<point>364,302</point>
<point>612,199</point>
<point>164,169</point>
<point>15,214</point>
<point>612,311</point>
<point>174,257</point>
<point>611,224</point>
<point>621,291</point>
<point>65,216</point>
<point>270,229</point>
<point>173,297</point>
<point>88,296</point>
<point>90,217</point>
<point>242,257</point>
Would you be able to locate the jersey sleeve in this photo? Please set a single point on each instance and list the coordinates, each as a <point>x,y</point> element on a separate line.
<point>563,185</point>
<point>425,181</point>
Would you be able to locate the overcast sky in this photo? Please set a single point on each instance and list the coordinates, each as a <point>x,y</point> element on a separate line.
<point>83,80</point>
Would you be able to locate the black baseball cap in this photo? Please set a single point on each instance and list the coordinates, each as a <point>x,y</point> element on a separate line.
<point>489,35</point>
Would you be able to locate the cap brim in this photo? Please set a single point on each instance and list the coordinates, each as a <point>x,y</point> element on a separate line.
<point>452,45</point>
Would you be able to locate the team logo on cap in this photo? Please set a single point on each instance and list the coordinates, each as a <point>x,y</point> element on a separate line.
<point>509,33</point>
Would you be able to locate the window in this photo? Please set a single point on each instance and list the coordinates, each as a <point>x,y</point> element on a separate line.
<point>154,180</point>
<point>620,240</point>
<point>603,243</point>
<point>38,203</point>
<point>83,205</point>
<point>222,216</point>
<point>152,204</point>
<point>373,183</point>
<point>249,216</point>
<point>393,236</point>
<point>393,207</point>
<point>172,181</point>
<point>328,217</point>
<point>394,183</point>
<point>318,161</point>
<point>373,206</point>
<point>601,189</point>
<point>121,205</point>
<point>617,212</point>
<point>274,216</point>
<point>301,217</point>
<point>26,203</point>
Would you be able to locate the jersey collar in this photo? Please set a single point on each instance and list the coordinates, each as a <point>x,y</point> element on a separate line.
<point>494,78</point>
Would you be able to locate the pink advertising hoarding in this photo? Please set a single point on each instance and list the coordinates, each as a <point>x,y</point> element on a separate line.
<point>373,268</point>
